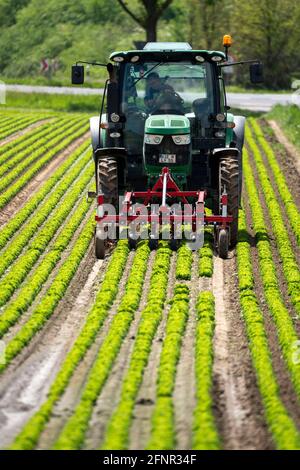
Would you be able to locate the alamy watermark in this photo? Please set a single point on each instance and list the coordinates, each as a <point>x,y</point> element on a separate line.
<point>2,93</point>
<point>296,352</point>
<point>296,93</point>
<point>154,221</point>
<point>2,352</point>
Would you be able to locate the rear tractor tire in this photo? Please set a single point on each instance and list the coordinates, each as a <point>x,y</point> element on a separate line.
<point>229,169</point>
<point>107,184</point>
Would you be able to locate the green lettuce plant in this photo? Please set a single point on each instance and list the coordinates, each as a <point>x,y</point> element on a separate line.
<point>28,437</point>
<point>163,427</point>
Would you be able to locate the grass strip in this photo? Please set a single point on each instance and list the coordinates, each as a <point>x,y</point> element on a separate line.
<point>163,426</point>
<point>73,433</point>
<point>117,432</point>
<point>205,434</point>
<point>280,424</point>
<point>28,437</point>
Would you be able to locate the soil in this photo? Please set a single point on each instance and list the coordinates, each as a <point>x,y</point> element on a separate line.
<point>237,405</point>
<point>15,135</point>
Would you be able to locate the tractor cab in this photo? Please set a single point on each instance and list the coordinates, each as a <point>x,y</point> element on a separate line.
<point>164,136</point>
<point>171,105</point>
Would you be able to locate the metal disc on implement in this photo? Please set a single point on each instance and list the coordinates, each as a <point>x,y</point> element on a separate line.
<point>223,243</point>
<point>99,244</point>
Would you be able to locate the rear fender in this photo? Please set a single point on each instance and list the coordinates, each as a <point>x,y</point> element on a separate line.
<point>239,131</point>
<point>95,134</point>
<point>226,152</point>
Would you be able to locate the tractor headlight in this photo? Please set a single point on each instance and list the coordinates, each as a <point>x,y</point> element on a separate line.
<point>216,58</point>
<point>181,139</point>
<point>115,117</point>
<point>153,139</point>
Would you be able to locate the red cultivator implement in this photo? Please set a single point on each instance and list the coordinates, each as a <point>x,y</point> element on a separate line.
<point>161,212</point>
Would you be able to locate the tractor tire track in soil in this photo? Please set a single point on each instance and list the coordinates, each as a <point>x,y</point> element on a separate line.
<point>64,407</point>
<point>24,385</point>
<point>293,160</point>
<point>110,395</point>
<point>141,425</point>
<point>184,392</point>
<point>18,134</point>
<point>36,182</point>
<point>81,276</point>
<point>238,408</point>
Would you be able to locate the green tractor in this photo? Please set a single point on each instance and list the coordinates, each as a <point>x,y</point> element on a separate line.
<point>165,135</point>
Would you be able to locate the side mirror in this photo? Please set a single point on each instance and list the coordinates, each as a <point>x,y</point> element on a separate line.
<point>77,74</point>
<point>256,73</point>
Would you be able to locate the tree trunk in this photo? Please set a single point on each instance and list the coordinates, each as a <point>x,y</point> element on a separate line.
<point>151,33</point>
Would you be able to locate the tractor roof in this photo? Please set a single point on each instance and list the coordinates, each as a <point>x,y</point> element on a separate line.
<point>166,51</point>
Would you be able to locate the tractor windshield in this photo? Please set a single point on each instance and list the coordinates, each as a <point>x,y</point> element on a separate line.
<point>182,88</point>
<point>169,87</point>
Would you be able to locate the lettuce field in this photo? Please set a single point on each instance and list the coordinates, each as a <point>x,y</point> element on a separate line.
<point>146,349</point>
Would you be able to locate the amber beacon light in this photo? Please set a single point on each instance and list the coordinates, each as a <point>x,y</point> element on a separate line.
<point>227,42</point>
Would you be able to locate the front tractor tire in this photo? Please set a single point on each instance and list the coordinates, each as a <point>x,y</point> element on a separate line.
<point>229,169</point>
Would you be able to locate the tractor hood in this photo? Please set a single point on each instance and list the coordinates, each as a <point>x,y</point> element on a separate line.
<point>167,124</point>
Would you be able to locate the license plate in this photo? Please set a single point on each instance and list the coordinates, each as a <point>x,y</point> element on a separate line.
<point>167,158</point>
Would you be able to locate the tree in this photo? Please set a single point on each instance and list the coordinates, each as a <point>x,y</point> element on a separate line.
<point>268,30</point>
<point>208,21</point>
<point>152,10</point>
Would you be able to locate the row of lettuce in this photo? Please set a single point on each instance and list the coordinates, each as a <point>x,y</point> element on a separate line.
<point>73,434</point>
<point>26,168</point>
<point>163,430</point>
<point>19,157</point>
<point>38,238</point>
<point>286,252</point>
<point>281,425</point>
<point>32,244</point>
<point>10,124</point>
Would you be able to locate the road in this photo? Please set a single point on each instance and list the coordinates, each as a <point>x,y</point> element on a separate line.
<point>252,101</point>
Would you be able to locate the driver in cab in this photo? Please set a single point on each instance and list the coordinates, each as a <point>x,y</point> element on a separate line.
<point>161,96</point>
